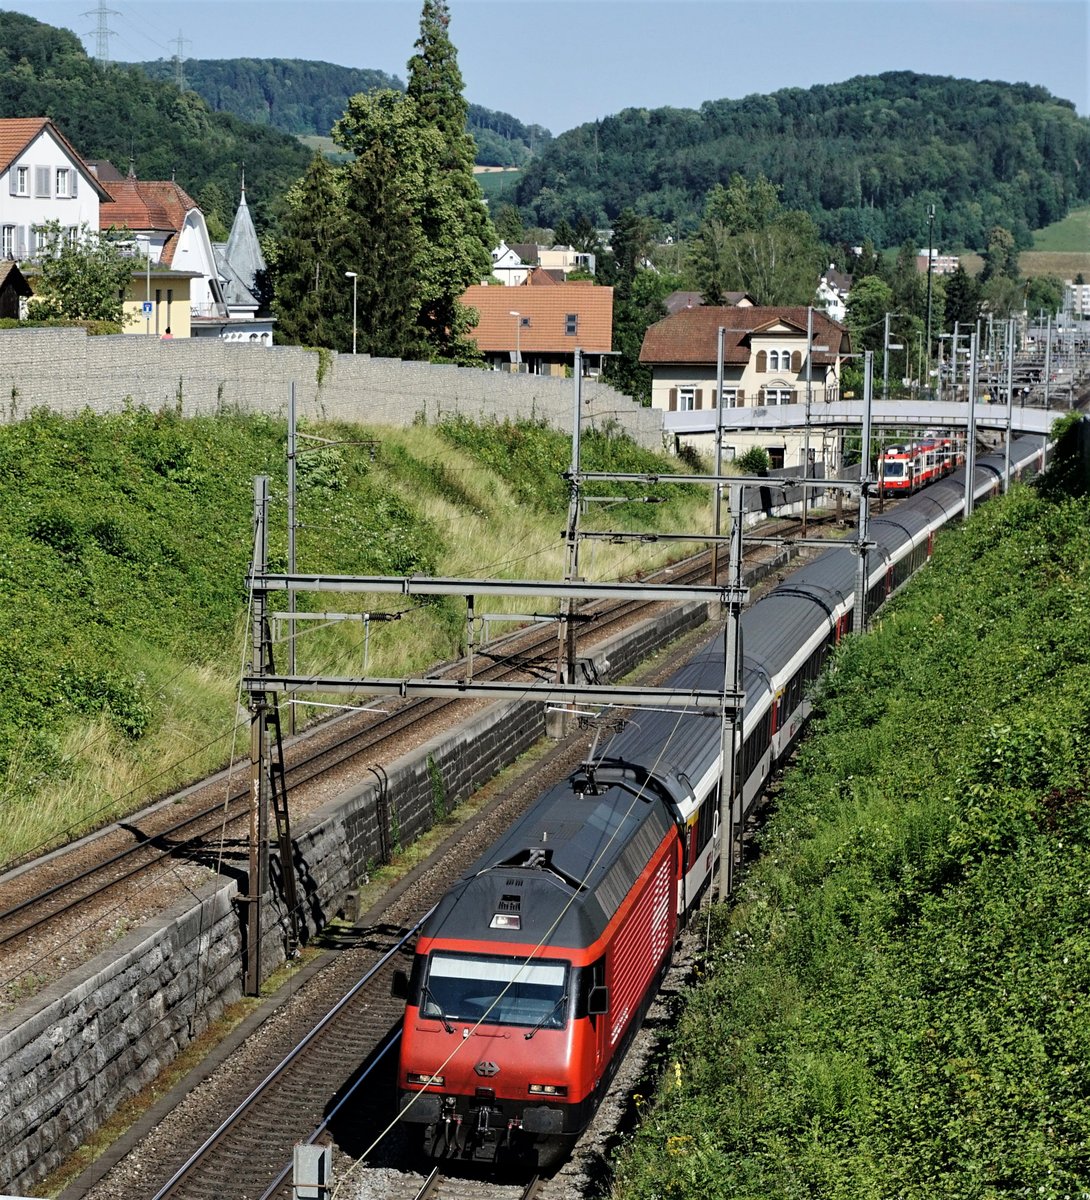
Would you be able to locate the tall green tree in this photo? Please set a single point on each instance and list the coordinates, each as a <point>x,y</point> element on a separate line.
<point>1000,256</point>
<point>749,242</point>
<point>962,298</point>
<point>381,238</point>
<point>313,306</point>
<point>453,218</point>
<point>509,226</point>
<point>643,304</point>
<point>80,279</point>
<point>631,244</point>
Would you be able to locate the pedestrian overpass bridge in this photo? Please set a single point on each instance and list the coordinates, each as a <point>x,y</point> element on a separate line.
<point>898,414</point>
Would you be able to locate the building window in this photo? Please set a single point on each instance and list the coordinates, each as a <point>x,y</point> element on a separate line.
<point>775,457</point>
<point>22,181</point>
<point>40,233</point>
<point>73,235</point>
<point>686,399</point>
<point>7,241</point>
<point>776,395</point>
<point>730,398</point>
<point>571,324</point>
<point>63,181</point>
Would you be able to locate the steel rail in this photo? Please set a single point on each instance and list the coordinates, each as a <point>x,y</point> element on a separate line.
<point>229,1122</point>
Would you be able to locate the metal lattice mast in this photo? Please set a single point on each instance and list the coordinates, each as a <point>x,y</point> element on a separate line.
<point>103,32</point>
<point>180,44</point>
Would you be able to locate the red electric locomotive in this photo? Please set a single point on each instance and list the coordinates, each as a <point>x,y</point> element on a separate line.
<point>536,969</point>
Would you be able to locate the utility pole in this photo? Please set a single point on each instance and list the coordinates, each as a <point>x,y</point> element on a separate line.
<point>566,673</point>
<point>930,256</point>
<point>258,876</point>
<point>970,437</point>
<point>731,716</point>
<point>718,448</point>
<point>860,617</point>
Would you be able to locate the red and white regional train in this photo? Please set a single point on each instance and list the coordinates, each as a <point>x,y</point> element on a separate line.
<point>906,469</point>
<point>534,972</point>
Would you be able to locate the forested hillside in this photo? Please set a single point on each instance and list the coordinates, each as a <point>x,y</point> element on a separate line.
<point>117,111</point>
<point>303,97</point>
<point>865,158</point>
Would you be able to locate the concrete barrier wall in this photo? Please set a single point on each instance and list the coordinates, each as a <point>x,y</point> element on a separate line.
<point>67,371</point>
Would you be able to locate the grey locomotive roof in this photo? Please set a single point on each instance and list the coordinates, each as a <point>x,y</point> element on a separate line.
<point>564,868</point>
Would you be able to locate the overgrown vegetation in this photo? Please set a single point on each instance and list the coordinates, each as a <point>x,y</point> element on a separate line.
<point>124,547</point>
<point>898,1005</point>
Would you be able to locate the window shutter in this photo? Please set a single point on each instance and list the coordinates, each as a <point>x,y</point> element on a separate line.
<point>673,399</point>
<point>699,401</point>
<point>73,183</point>
<point>715,397</point>
<point>762,360</point>
<point>794,396</point>
<point>13,175</point>
<point>41,181</point>
<point>796,360</point>
<point>741,400</point>
<point>20,241</point>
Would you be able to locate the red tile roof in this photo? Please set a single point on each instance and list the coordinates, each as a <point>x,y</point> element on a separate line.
<point>691,335</point>
<point>547,309</point>
<point>146,206</point>
<point>16,134</point>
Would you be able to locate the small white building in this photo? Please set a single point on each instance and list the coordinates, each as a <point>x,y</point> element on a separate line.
<point>42,179</point>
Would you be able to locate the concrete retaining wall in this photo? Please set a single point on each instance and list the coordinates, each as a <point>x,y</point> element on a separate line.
<point>78,1050</point>
<point>67,371</point>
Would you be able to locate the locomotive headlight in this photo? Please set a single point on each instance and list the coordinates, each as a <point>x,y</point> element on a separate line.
<point>505,921</point>
<point>548,1089</point>
<point>425,1080</point>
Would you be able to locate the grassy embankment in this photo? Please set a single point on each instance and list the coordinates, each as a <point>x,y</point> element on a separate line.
<point>898,1004</point>
<point>124,545</point>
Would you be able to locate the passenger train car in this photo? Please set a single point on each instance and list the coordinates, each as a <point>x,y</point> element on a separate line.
<point>535,970</point>
<point>906,469</point>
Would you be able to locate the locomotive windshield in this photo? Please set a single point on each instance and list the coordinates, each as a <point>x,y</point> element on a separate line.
<point>499,991</point>
<point>893,469</point>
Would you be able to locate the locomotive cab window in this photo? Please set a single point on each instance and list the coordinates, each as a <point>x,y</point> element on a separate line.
<point>498,991</point>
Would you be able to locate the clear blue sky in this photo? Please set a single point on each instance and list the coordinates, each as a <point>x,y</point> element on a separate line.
<point>559,63</point>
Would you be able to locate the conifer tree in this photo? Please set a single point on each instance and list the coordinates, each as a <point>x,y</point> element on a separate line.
<point>313,306</point>
<point>382,240</point>
<point>453,217</point>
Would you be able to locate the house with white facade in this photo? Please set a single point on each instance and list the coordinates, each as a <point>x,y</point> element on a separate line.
<point>832,293</point>
<point>42,179</point>
<point>508,267</point>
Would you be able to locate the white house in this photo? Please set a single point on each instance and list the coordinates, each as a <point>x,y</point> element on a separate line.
<point>42,179</point>
<point>508,267</point>
<point>832,294</point>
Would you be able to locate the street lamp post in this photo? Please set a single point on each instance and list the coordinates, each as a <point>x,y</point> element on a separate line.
<point>518,339</point>
<point>352,275</point>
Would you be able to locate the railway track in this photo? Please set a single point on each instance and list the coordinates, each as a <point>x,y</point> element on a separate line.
<point>135,847</point>
<point>335,1084</point>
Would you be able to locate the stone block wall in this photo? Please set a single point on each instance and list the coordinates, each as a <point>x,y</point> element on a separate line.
<point>105,1032</point>
<point>67,371</point>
